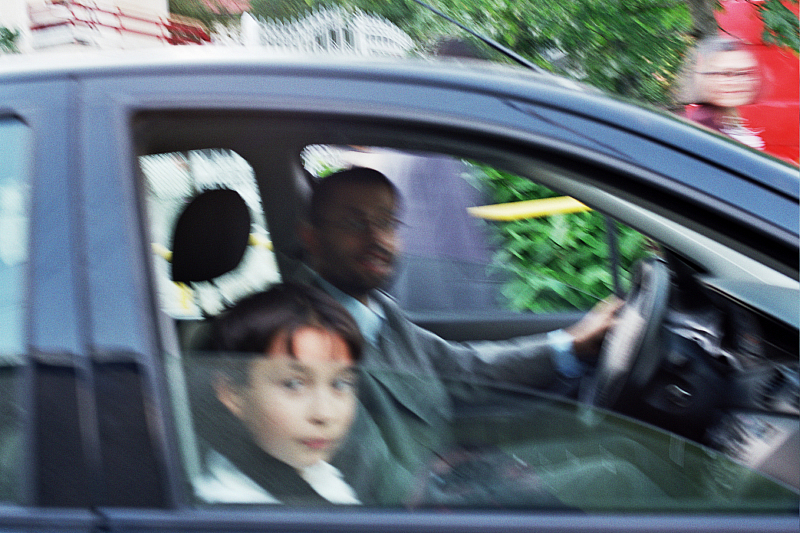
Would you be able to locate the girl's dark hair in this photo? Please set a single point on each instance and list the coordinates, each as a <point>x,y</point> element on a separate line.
<point>251,325</point>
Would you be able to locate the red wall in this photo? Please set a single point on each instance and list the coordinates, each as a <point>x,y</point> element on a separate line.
<point>777,113</point>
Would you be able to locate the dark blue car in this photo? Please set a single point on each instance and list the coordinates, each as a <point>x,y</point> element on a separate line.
<point>105,303</point>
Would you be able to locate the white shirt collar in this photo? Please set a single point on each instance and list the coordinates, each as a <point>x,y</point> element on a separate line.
<point>329,483</point>
<point>369,317</point>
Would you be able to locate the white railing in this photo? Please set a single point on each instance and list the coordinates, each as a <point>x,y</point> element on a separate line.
<point>332,31</point>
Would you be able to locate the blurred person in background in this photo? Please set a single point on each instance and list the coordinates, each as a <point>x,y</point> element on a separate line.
<point>725,76</point>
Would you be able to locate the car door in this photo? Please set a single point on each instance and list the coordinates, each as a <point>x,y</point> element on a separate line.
<point>133,430</point>
<point>266,118</point>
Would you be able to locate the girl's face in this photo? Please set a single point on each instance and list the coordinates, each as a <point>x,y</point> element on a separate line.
<point>298,408</point>
<point>729,79</point>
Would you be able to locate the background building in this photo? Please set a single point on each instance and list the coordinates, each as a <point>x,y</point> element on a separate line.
<point>107,24</point>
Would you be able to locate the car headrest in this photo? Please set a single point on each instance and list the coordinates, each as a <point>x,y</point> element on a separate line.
<point>210,237</point>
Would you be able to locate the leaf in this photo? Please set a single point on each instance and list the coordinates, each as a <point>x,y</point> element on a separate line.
<point>780,25</point>
<point>8,40</point>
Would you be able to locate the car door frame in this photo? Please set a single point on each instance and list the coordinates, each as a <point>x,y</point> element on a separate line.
<point>55,466</point>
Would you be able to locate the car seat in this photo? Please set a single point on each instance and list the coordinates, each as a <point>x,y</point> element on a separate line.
<point>210,236</point>
<point>209,240</point>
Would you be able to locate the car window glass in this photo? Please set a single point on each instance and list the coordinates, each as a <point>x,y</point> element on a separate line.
<point>476,238</point>
<point>501,447</point>
<point>172,181</point>
<point>450,438</point>
<point>556,253</point>
<point>14,222</point>
<point>213,197</point>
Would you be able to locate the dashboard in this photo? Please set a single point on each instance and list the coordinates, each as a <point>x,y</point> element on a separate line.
<point>743,337</point>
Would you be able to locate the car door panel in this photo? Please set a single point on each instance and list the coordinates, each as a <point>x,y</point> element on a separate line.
<point>494,325</point>
<point>123,320</point>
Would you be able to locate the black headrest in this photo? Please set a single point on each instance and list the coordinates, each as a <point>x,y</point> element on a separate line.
<point>210,237</point>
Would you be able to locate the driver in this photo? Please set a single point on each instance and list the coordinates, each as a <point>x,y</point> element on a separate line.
<point>351,243</point>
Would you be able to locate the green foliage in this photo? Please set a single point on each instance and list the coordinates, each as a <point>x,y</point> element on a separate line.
<point>780,24</point>
<point>628,47</point>
<point>8,40</point>
<point>560,261</point>
<point>633,48</point>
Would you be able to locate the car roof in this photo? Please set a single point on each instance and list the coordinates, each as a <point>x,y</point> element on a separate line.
<point>530,92</point>
<point>149,60</point>
<point>483,76</point>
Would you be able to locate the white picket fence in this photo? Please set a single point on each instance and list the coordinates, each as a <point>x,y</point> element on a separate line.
<point>331,31</point>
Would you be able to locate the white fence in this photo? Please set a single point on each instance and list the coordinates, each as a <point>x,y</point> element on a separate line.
<point>333,31</point>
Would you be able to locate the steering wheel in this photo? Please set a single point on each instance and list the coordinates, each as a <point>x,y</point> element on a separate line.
<point>631,353</point>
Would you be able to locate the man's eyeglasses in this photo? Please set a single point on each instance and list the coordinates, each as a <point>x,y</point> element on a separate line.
<point>361,225</point>
<point>733,74</point>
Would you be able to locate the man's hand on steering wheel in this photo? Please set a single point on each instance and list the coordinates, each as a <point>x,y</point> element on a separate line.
<point>632,350</point>
<point>588,333</point>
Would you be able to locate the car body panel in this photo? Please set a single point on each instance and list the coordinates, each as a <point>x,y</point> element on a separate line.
<point>53,272</point>
<point>653,144</point>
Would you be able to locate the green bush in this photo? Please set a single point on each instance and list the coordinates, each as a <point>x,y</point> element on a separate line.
<point>560,261</point>
<point>8,40</point>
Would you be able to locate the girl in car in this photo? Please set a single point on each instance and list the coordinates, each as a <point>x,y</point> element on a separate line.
<point>285,393</point>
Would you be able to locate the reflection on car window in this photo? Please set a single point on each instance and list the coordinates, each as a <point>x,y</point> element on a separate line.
<point>14,221</point>
<point>476,238</point>
<point>503,448</point>
<point>278,401</point>
<point>210,246</point>
<point>172,181</point>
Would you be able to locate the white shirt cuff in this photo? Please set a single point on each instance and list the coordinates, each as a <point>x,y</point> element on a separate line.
<point>564,358</point>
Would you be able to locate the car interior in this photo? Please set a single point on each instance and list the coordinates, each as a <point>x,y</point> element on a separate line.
<point>706,349</point>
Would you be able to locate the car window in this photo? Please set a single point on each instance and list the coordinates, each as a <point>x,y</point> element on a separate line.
<point>14,246</point>
<point>476,238</point>
<point>210,245</point>
<point>441,426</point>
<point>502,448</point>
